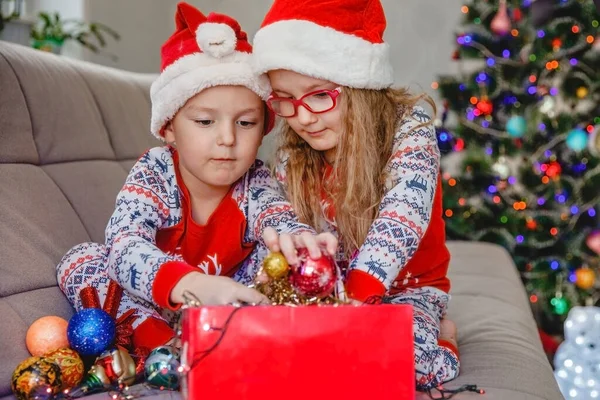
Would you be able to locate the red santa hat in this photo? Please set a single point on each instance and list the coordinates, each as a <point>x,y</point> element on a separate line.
<point>336,40</point>
<point>203,52</point>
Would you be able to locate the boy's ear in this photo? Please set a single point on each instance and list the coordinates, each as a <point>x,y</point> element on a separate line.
<point>168,132</point>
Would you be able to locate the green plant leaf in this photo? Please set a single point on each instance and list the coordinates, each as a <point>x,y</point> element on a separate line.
<point>97,34</point>
<point>114,34</point>
<point>90,35</point>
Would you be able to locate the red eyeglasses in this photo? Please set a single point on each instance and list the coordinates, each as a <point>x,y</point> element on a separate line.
<point>316,102</point>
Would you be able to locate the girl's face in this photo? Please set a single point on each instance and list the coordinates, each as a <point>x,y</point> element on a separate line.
<point>217,134</point>
<point>321,131</point>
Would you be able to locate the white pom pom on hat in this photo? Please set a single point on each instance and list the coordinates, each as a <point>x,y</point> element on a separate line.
<point>216,39</point>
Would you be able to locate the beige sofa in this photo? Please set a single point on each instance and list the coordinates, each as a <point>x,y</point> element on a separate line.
<point>69,133</point>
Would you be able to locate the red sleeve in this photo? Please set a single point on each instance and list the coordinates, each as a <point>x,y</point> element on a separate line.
<point>450,346</point>
<point>360,285</point>
<point>167,277</point>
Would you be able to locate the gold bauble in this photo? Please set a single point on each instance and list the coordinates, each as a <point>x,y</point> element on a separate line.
<point>585,278</point>
<point>275,265</point>
<point>582,92</point>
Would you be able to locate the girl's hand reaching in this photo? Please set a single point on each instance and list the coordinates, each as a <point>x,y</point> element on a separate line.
<point>288,244</point>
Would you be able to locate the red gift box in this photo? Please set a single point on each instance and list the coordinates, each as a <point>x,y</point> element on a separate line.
<point>307,352</point>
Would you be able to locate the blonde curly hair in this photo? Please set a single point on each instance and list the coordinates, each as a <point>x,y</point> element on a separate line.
<point>357,185</point>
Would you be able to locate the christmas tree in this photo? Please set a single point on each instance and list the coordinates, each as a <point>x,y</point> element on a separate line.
<point>519,134</point>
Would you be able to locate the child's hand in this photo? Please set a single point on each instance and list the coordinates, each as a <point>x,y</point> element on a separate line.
<point>215,290</point>
<point>287,244</point>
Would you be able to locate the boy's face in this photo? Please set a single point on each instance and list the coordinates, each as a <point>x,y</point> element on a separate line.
<point>217,134</point>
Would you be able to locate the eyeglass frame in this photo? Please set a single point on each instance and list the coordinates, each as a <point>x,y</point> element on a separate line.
<point>333,93</point>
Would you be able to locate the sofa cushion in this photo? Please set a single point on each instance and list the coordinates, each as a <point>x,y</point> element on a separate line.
<point>16,133</point>
<point>500,349</point>
<point>70,133</point>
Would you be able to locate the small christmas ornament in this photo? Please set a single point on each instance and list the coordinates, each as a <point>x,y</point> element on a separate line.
<point>161,368</point>
<point>113,367</point>
<point>582,92</point>
<point>116,366</point>
<point>577,139</point>
<point>89,297</point>
<point>501,168</point>
<point>594,141</point>
<point>548,106</point>
<point>124,324</point>
<point>559,304</point>
<point>46,334</point>
<point>556,44</point>
<point>91,331</point>
<point>553,169</point>
<point>114,293</point>
<point>313,278</point>
<point>516,126</point>
<point>36,378</point>
<point>585,278</point>
<point>485,106</point>
<point>531,224</point>
<point>517,15</point>
<point>71,366</point>
<point>593,242</point>
<point>501,24</point>
<point>276,266</point>
<point>456,55</point>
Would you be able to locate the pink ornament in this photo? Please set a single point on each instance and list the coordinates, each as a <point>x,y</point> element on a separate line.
<point>47,334</point>
<point>593,242</point>
<point>501,24</point>
<point>313,278</point>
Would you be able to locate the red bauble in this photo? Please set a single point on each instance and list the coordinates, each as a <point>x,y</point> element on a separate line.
<point>517,15</point>
<point>485,106</point>
<point>313,278</point>
<point>531,224</point>
<point>554,169</point>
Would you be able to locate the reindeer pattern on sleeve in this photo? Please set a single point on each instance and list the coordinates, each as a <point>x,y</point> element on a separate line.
<point>405,210</point>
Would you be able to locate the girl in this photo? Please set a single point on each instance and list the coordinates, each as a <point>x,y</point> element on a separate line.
<point>192,212</point>
<point>360,159</point>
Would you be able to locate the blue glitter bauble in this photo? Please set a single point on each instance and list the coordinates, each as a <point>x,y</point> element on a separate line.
<point>577,139</point>
<point>91,331</point>
<point>516,126</point>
